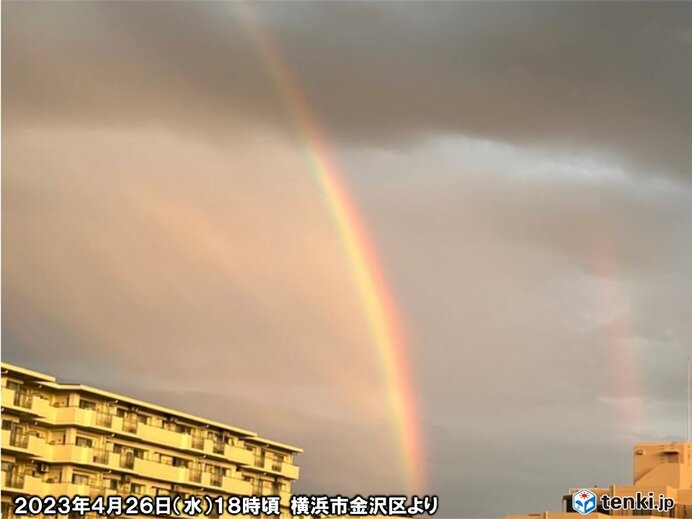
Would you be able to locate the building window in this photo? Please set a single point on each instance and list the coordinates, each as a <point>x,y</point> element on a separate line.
<point>164,458</point>
<point>180,462</point>
<point>80,479</point>
<point>81,441</point>
<point>672,457</point>
<point>117,448</point>
<point>87,404</point>
<point>142,418</point>
<point>183,429</point>
<point>138,453</point>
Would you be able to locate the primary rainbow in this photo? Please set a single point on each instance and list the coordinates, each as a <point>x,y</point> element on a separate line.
<point>384,321</point>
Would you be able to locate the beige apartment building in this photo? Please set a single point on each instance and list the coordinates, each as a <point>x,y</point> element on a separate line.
<point>69,439</point>
<point>659,467</point>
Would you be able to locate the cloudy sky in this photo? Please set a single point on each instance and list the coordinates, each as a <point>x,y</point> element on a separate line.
<point>525,174</point>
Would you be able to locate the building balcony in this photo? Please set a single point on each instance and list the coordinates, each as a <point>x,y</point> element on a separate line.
<point>194,475</point>
<point>200,445</point>
<point>102,491</point>
<point>203,480</point>
<point>23,402</point>
<point>290,471</point>
<point>230,485</point>
<point>195,442</point>
<point>73,454</point>
<point>35,486</point>
<point>149,468</point>
<point>25,484</point>
<point>127,425</point>
<point>101,457</point>
<point>160,436</point>
<point>23,443</point>
<point>74,416</point>
<point>70,489</point>
<point>153,469</point>
<point>267,490</point>
<point>287,470</point>
<point>12,480</point>
<point>238,455</point>
<point>120,461</point>
<point>216,480</point>
<point>235,486</point>
<point>222,450</point>
<point>81,417</point>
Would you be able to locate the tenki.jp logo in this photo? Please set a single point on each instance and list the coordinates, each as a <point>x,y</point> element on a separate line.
<point>584,501</point>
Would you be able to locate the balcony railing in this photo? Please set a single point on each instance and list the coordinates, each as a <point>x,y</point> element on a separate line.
<point>277,465</point>
<point>101,456</point>
<point>198,442</point>
<point>130,426</point>
<point>104,419</point>
<point>23,399</point>
<point>127,462</point>
<point>219,448</point>
<point>196,476</point>
<point>216,480</point>
<point>14,480</point>
<point>20,440</point>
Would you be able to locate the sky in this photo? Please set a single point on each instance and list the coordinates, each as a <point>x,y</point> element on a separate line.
<point>523,171</point>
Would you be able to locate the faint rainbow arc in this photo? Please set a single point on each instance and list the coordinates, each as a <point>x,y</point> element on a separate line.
<point>600,256</point>
<point>382,315</point>
<point>621,338</point>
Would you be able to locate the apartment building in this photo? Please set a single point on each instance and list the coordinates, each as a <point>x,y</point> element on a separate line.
<point>70,439</point>
<point>663,468</point>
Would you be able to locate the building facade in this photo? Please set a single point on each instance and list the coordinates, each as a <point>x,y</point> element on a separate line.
<point>70,439</point>
<point>663,468</point>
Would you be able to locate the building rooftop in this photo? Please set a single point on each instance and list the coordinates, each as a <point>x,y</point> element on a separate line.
<point>42,379</point>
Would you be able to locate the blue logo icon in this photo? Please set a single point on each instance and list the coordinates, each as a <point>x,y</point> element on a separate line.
<point>584,501</point>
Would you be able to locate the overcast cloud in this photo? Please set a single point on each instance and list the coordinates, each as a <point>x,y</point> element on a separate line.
<point>525,173</point>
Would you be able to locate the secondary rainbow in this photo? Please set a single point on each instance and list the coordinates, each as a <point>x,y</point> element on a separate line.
<point>382,315</point>
<point>598,245</point>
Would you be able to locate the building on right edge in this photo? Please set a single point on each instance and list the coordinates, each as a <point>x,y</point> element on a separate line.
<point>660,469</point>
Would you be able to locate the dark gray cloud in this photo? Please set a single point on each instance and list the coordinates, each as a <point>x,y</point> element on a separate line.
<point>613,78</point>
<point>523,169</point>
